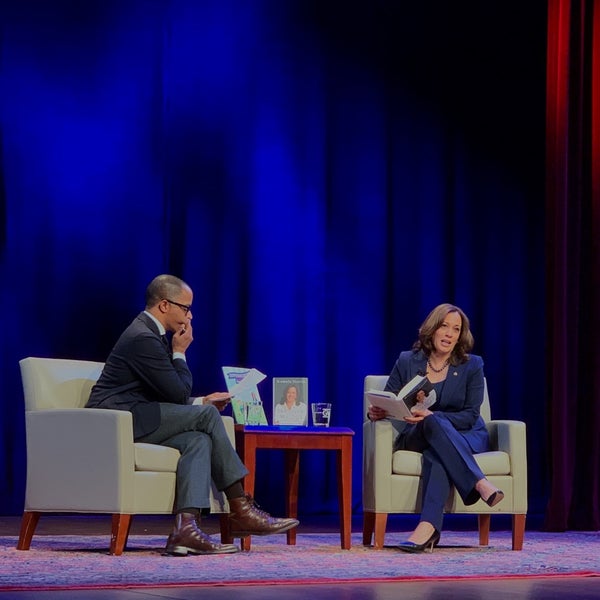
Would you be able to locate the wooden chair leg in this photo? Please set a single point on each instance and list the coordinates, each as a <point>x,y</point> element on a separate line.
<point>518,531</point>
<point>121,524</point>
<point>28,524</point>
<point>246,543</point>
<point>368,527</point>
<point>226,537</point>
<point>484,521</point>
<point>380,525</point>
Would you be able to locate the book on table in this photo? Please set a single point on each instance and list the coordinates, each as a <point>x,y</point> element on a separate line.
<point>399,405</point>
<point>247,407</point>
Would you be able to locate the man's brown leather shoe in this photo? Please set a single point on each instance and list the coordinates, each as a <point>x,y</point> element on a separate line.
<point>245,518</point>
<point>187,538</point>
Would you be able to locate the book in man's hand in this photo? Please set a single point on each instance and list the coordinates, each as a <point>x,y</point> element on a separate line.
<point>398,405</point>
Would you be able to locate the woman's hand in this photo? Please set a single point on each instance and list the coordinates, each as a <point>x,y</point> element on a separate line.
<point>418,414</point>
<point>376,414</point>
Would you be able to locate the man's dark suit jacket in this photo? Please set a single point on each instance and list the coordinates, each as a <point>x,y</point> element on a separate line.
<point>138,374</point>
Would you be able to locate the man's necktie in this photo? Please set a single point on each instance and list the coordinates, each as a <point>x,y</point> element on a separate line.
<point>165,341</point>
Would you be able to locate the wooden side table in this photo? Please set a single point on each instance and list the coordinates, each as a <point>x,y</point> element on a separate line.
<point>248,439</point>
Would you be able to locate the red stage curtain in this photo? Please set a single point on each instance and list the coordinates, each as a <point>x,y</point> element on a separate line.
<point>573,263</point>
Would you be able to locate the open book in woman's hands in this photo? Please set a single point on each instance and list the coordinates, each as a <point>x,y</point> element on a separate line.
<point>398,406</point>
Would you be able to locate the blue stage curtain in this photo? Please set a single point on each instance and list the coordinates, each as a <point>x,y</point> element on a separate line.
<point>573,288</point>
<point>322,174</point>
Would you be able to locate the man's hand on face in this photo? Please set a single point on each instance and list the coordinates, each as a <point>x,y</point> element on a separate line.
<point>182,338</point>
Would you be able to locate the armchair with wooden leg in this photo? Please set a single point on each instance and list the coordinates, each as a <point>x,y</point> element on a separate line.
<point>84,460</point>
<point>392,480</point>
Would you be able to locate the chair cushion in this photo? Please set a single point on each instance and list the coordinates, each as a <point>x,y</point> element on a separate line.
<point>405,462</point>
<point>152,457</point>
<point>494,463</point>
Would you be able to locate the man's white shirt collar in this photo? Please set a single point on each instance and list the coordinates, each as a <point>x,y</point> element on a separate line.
<point>161,329</point>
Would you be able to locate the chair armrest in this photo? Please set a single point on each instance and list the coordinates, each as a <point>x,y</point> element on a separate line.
<point>79,459</point>
<point>229,424</point>
<point>511,437</point>
<point>378,437</point>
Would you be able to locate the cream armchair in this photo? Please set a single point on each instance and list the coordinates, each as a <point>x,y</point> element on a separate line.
<point>84,460</point>
<point>392,480</point>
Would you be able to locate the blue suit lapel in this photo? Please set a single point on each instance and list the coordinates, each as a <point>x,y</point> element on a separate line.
<point>453,379</point>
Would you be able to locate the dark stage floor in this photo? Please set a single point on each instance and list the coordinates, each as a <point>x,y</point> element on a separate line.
<point>516,589</point>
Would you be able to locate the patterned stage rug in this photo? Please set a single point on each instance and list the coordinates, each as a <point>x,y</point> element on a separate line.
<point>82,562</point>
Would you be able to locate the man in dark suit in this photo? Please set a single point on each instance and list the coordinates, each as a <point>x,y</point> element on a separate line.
<point>149,377</point>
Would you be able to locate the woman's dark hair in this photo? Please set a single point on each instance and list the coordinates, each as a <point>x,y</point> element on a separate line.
<point>287,389</point>
<point>433,322</point>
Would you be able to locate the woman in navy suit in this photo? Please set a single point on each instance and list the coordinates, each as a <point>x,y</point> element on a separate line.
<point>451,430</point>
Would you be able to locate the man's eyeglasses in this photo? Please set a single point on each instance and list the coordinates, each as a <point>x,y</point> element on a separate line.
<point>184,307</point>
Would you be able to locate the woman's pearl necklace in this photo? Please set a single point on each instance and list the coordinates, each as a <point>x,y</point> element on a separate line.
<point>446,363</point>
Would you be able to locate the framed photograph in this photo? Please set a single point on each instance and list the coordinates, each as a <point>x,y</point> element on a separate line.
<point>290,400</point>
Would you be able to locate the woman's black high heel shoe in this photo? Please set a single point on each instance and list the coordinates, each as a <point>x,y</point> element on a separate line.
<point>494,498</point>
<point>414,548</point>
